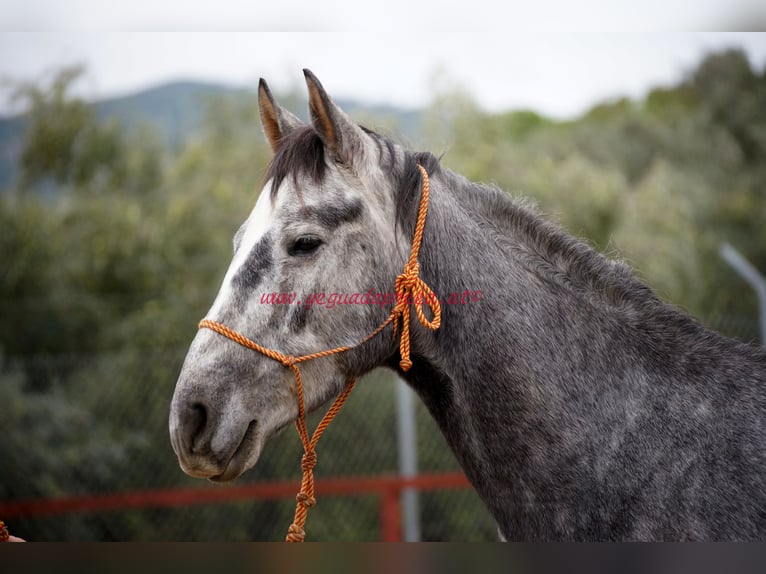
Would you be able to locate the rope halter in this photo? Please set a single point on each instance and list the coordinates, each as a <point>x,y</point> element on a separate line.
<point>410,289</point>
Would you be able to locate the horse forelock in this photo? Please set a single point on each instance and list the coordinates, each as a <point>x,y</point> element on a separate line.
<point>300,153</point>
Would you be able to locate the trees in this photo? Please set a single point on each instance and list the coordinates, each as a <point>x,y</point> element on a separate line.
<point>65,144</point>
<point>105,284</point>
<point>114,247</point>
<point>661,181</point>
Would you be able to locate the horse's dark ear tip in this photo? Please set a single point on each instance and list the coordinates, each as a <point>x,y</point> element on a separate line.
<point>310,76</point>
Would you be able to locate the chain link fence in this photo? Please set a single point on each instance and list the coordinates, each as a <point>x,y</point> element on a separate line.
<point>96,444</point>
<point>101,427</point>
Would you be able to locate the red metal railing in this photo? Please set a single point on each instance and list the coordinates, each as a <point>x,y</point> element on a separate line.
<point>387,487</point>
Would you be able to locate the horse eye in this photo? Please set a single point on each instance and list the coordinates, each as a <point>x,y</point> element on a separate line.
<point>304,245</point>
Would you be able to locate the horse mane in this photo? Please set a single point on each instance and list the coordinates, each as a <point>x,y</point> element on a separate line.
<point>551,252</point>
<point>518,228</point>
<point>514,225</point>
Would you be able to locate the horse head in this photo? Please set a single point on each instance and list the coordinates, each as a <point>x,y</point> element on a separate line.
<point>323,225</point>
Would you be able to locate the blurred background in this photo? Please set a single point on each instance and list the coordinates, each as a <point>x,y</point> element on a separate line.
<point>128,159</point>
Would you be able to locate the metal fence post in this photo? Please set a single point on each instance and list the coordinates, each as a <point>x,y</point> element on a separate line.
<point>408,460</point>
<point>752,276</point>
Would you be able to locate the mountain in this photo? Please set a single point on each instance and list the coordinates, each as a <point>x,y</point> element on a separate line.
<point>176,110</point>
<point>11,132</point>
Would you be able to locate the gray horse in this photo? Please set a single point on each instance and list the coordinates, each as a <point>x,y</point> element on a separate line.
<point>579,405</point>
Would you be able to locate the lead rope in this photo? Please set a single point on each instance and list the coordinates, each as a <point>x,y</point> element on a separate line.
<point>410,288</point>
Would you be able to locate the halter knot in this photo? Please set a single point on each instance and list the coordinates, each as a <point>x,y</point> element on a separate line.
<point>412,290</point>
<point>295,534</point>
<point>308,461</point>
<point>410,274</point>
<point>305,499</point>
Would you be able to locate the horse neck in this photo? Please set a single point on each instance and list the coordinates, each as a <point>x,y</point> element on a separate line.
<point>532,299</point>
<point>569,387</point>
<point>498,371</point>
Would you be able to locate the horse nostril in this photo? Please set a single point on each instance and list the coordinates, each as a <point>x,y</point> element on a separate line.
<point>196,423</point>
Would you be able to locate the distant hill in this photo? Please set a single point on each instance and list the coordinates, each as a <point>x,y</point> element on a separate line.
<point>11,130</point>
<point>176,111</point>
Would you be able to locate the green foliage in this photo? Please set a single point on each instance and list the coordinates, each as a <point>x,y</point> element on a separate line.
<point>114,246</point>
<point>99,300</point>
<point>732,95</point>
<point>66,144</point>
<point>56,122</point>
<point>661,182</point>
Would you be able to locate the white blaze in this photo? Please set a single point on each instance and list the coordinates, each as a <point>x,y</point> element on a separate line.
<point>256,226</point>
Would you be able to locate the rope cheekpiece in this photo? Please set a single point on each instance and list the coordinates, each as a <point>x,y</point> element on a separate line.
<point>410,288</point>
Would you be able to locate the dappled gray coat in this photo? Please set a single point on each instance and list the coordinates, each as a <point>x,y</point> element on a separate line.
<point>580,406</point>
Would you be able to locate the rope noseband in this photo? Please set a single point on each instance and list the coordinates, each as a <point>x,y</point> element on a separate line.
<point>410,288</point>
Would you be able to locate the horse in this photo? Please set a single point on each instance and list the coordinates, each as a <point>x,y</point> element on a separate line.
<point>579,405</point>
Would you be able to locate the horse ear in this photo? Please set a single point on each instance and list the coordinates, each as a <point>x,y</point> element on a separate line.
<point>277,122</point>
<point>340,135</point>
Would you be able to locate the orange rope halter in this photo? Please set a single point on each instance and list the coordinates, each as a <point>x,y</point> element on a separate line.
<point>410,288</point>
